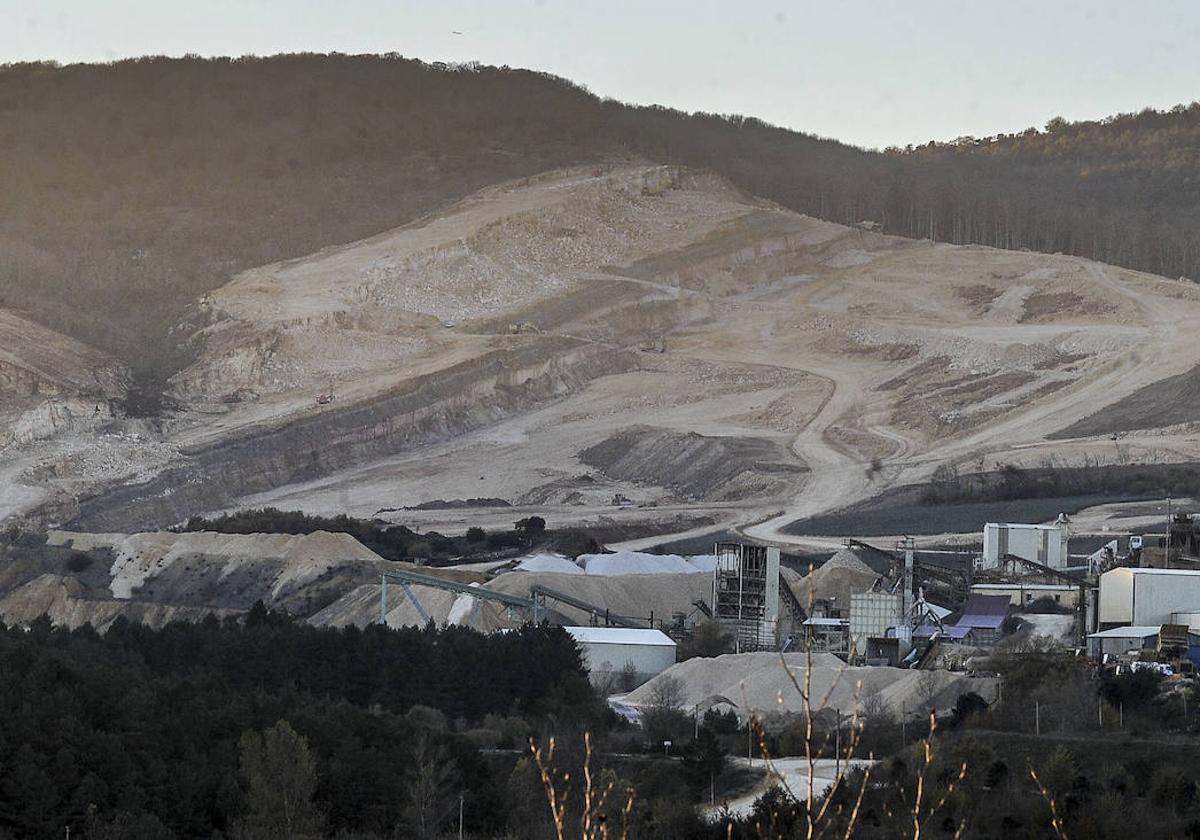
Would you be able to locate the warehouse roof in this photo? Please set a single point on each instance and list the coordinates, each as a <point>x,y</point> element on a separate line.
<point>984,611</point>
<point>1133,632</point>
<point>1022,585</point>
<point>619,636</point>
<point>947,632</point>
<point>1140,571</point>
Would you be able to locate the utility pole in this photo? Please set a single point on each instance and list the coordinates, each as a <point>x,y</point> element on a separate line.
<point>837,748</point>
<point>460,817</point>
<point>1167,541</point>
<point>750,741</point>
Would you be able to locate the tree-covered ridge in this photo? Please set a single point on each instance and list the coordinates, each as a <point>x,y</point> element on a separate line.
<point>1149,139</point>
<point>133,188</point>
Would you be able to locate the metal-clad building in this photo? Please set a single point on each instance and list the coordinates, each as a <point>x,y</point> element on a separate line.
<point>1045,544</point>
<point>609,651</point>
<point>1120,640</point>
<point>984,615</point>
<point>871,615</point>
<point>1146,597</point>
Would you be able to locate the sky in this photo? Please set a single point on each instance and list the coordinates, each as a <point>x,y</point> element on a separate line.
<point>868,72</point>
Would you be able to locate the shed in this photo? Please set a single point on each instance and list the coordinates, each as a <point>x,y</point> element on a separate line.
<point>609,653</point>
<point>983,615</point>
<point>1120,640</point>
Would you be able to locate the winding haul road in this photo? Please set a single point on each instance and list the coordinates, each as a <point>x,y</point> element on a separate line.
<point>838,479</point>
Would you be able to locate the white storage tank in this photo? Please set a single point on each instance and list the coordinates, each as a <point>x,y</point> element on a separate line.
<point>1045,544</point>
<point>608,652</point>
<point>1147,597</point>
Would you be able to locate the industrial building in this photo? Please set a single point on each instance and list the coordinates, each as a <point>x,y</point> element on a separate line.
<point>611,651</point>
<point>1021,593</point>
<point>1146,597</point>
<point>983,615</point>
<point>745,595</point>
<point>1121,640</point>
<point>1043,544</point>
<point>872,615</point>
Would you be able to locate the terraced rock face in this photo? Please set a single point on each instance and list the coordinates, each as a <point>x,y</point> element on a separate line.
<point>49,381</point>
<point>627,341</point>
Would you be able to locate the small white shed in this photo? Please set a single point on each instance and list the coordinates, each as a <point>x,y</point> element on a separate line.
<point>608,652</point>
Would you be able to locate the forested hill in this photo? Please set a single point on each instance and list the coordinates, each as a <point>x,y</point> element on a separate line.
<point>132,188</point>
<point>1123,190</point>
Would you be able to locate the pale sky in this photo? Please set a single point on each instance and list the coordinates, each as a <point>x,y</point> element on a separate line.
<point>869,72</point>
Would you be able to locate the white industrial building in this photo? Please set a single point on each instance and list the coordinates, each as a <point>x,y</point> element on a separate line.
<point>1045,544</point>
<point>871,615</point>
<point>610,651</point>
<point>1147,597</point>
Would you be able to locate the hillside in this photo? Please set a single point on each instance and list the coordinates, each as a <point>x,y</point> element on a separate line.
<point>133,189</point>
<point>636,348</point>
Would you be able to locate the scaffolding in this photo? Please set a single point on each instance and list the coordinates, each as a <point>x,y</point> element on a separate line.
<point>746,594</point>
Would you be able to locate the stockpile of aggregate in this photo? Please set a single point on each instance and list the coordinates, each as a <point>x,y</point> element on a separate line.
<point>759,683</point>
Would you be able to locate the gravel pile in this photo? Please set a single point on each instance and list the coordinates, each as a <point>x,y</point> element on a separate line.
<point>842,575</point>
<point>759,683</point>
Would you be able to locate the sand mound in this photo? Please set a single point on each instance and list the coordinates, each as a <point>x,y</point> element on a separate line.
<point>633,596</point>
<point>842,575</point>
<point>296,559</point>
<point>758,682</point>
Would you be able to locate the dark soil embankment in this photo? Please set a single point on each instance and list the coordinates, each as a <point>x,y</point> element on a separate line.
<point>1167,402</point>
<point>697,466</point>
<point>917,519</point>
<point>959,504</point>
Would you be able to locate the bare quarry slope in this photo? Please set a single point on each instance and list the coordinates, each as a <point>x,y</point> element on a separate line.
<point>647,333</point>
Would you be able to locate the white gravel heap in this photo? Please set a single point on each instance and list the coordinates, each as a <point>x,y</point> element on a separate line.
<point>759,683</point>
<point>543,562</point>
<point>638,563</point>
<point>617,564</point>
